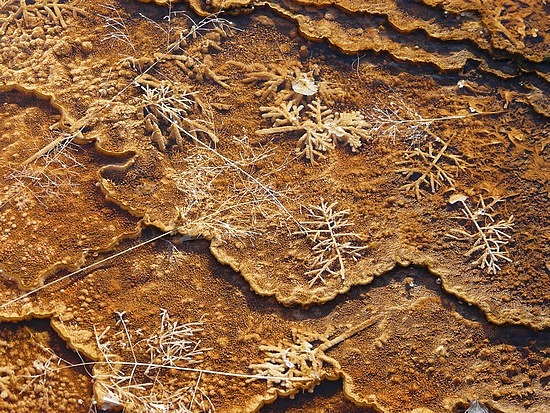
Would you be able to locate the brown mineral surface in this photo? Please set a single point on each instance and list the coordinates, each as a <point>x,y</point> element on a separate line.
<point>274,206</point>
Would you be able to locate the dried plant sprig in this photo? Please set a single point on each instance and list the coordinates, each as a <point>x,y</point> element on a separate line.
<point>327,231</point>
<point>431,168</point>
<point>119,381</point>
<point>165,108</point>
<point>218,200</point>
<point>180,28</point>
<point>48,173</point>
<point>117,28</point>
<point>489,237</point>
<point>289,83</point>
<point>303,357</point>
<point>401,121</point>
<point>321,128</point>
<point>173,344</point>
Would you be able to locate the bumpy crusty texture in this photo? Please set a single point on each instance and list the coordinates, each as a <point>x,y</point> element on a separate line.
<point>86,177</point>
<point>443,352</point>
<point>25,386</point>
<point>38,239</point>
<point>447,34</point>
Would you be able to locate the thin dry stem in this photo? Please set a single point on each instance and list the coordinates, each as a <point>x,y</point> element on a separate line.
<point>489,237</point>
<point>300,358</point>
<point>218,200</point>
<point>321,129</point>
<point>331,242</point>
<point>432,168</point>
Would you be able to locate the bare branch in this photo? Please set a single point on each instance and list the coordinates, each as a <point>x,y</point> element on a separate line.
<point>432,168</point>
<point>331,241</point>
<point>489,237</point>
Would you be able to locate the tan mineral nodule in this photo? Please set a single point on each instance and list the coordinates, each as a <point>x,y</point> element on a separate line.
<point>284,206</point>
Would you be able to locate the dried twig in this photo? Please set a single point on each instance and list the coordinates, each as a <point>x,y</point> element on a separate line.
<point>321,128</point>
<point>400,121</point>
<point>327,232</point>
<point>49,172</point>
<point>219,200</point>
<point>432,168</point>
<point>117,28</point>
<point>142,384</point>
<point>300,358</point>
<point>489,237</point>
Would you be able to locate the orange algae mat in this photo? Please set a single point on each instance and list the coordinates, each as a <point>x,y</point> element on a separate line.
<point>242,206</point>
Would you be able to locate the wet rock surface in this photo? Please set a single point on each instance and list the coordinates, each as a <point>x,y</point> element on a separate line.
<point>226,210</point>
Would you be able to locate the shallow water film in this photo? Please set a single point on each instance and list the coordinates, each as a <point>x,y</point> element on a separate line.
<point>274,206</point>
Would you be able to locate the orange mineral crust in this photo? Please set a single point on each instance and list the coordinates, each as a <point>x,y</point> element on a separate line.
<point>274,206</point>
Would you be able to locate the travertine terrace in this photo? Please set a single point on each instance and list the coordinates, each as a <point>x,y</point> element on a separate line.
<point>280,205</point>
